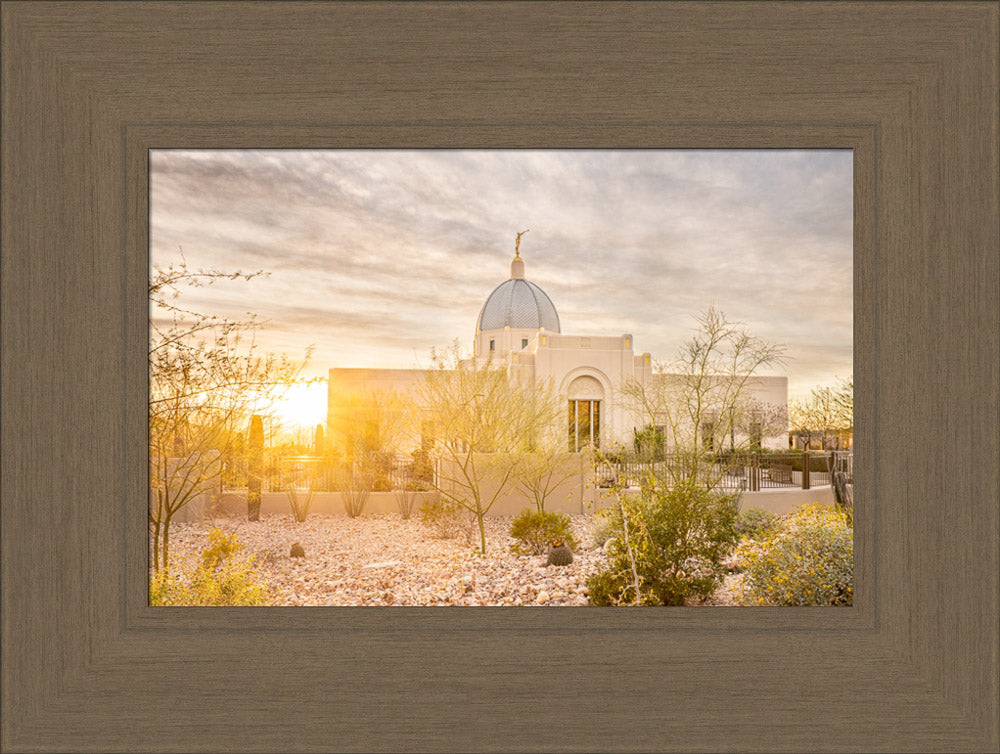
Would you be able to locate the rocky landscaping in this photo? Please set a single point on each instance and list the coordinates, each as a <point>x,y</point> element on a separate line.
<point>385,560</point>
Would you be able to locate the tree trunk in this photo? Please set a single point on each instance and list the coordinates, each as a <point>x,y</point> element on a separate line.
<point>255,467</point>
<point>482,532</point>
<point>166,545</point>
<point>156,548</point>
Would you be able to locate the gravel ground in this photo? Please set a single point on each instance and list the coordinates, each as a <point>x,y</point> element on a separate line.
<point>384,560</point>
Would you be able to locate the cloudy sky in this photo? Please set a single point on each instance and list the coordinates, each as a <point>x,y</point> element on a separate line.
<point>376,256</point>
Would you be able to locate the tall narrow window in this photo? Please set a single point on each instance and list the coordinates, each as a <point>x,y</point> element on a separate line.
<point>572,427</point>
<point>595,424</point>
<point>493,345</point>
<point>584,425</point>
<point>524,342</point>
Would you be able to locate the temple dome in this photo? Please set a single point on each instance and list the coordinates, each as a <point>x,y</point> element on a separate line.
<point>519,304</point>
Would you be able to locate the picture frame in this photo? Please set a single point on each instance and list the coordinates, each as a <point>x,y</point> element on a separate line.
<point>90,88</point>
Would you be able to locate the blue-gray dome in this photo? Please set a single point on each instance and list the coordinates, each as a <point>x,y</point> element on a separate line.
<point>518,303</point>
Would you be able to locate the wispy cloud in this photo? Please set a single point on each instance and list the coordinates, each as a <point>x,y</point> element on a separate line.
<point>375,255</point>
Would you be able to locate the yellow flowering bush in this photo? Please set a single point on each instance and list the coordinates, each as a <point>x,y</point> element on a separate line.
<point>806,560</point>
<point>223,577</point>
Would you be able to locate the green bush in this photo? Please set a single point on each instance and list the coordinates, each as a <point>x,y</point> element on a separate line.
<point>223,577</point>
<point>807,560</point>
<point>534,530</point>
<point>817,461</point>
<point>678,536</point>
<point>754,523</point>
<point>795,459</point>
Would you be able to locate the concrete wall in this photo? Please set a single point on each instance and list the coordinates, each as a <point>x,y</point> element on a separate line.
<point>323,503</point>
<point>572,497</point>
<point>573,491</point>
<point>786,500</point>
<point>509,504</point>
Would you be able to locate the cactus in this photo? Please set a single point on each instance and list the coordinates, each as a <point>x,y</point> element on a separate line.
<point>320,444</point>
<point>559,554</point>
<point>255,463</point>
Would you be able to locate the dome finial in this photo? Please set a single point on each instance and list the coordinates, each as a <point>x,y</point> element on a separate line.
<point>517,264</point>
<point>517,244</point>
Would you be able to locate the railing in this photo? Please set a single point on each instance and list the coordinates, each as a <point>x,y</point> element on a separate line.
<point>321,474</point>
<point>843,460</point>
<point>747,472</point>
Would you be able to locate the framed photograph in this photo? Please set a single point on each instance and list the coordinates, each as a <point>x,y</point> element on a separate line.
<point>655,407</point>
<point>91,91</point>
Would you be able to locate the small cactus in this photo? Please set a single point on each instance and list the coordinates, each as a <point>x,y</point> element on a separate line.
<point>559,554</point>
<point>297,551</point>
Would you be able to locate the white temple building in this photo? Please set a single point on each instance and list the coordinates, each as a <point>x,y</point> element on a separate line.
<point>520,326</point>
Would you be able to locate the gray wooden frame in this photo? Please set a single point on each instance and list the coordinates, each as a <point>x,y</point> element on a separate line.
<point>88,88</point>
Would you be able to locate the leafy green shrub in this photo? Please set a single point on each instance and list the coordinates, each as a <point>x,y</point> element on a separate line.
<point>807,560</point>
<point>534,530</point>
<point>817,461</point>
<point>678,538</point>
<point>753,523</point>
<point>223,577</point>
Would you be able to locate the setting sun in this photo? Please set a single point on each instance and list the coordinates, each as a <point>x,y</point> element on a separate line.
<point>302,406</point>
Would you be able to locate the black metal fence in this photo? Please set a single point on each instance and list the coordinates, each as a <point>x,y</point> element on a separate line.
<point>748,472</point>
<point>382,474</point>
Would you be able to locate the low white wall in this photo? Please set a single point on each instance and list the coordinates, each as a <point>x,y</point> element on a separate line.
<point>570,500</point>
<point>322,503</point>
<point>786,500</point>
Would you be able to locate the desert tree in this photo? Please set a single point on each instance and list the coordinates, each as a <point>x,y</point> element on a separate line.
<point>844,400</point>
<point>371,429</point>
<point>825,415</point>
<point>486,417</point>
<point>669,540</point>
<point>704,400</point>
<point>207,377</point>
<point>804,426</point>
<point>546,465</point>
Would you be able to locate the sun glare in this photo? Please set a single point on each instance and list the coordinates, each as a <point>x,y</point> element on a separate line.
<point>302,406</point>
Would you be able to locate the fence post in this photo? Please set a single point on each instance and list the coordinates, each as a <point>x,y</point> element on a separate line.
<point>754,473</point>
<point>805,470</point>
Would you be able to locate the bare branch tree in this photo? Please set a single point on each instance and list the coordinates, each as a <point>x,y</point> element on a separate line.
<point>705,398</point>
<point>485,418</point>
<point>826,415</point>
<point>206,378</point>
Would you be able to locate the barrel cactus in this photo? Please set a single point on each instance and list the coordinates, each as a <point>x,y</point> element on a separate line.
<point>559,554</point>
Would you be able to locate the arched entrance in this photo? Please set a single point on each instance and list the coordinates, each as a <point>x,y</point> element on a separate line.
<point>585,396</point>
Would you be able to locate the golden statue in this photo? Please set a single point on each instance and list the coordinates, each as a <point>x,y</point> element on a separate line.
<point>517,243</point>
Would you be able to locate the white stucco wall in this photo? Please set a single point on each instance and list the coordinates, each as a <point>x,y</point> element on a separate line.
<point>555,359</point>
